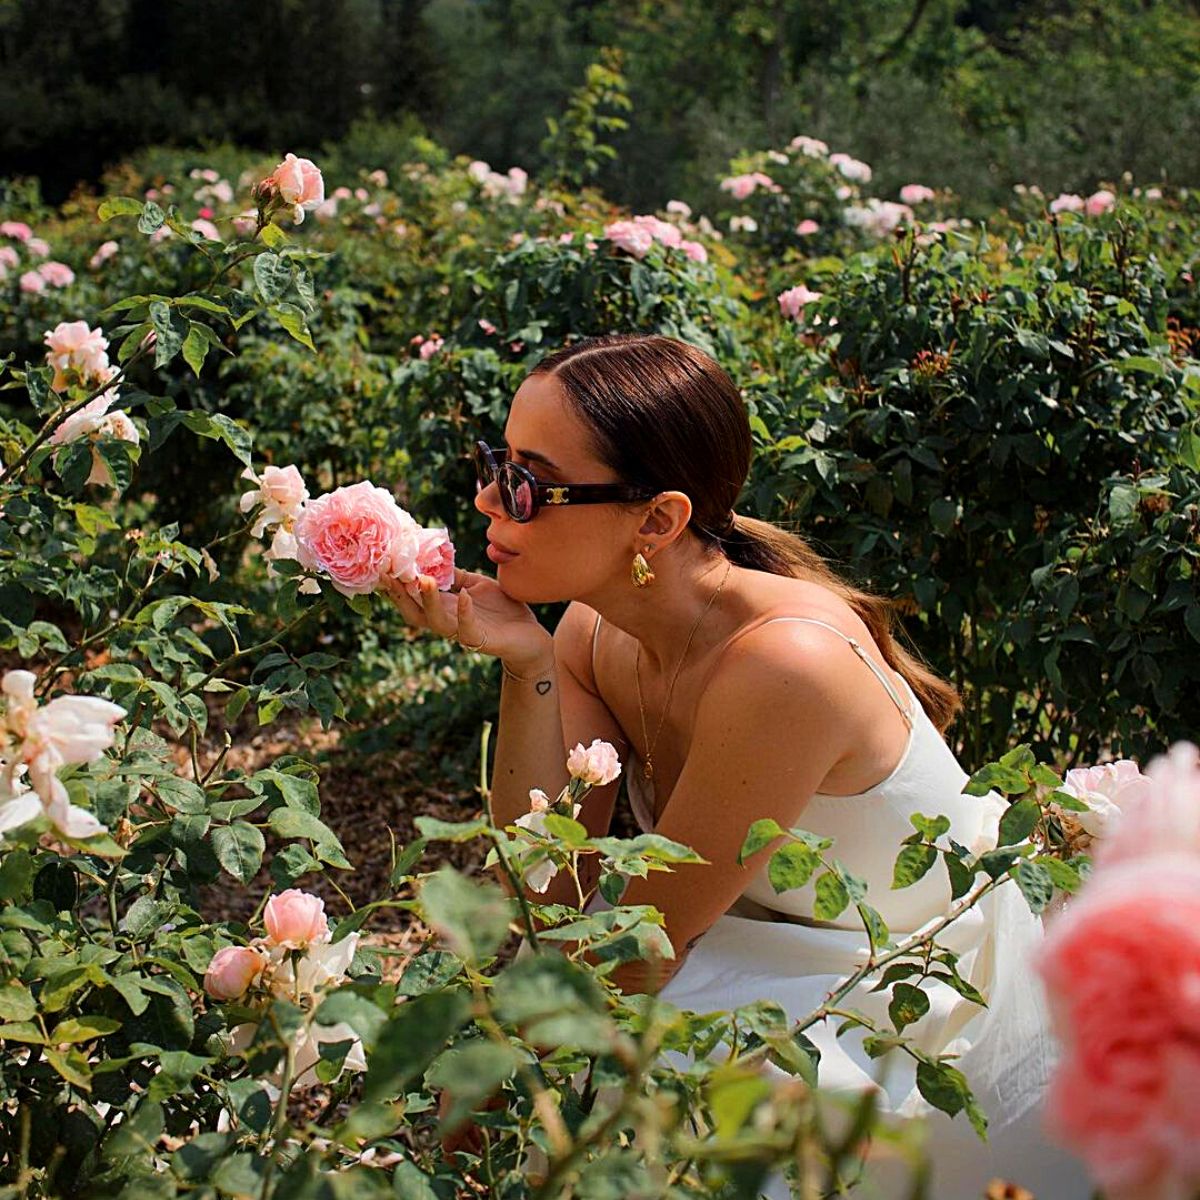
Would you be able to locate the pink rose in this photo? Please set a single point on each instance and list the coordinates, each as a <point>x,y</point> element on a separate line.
<point>282,494</point>
<point>632,238</point>
<point>57,274</point>
<point>299,183</point>
<point>538,800</point>
<point>695,251</point>
<point>74,347</point>
<point>1067,202</point>
<point>244,224</point>
<point>792,302</point>
<point>37,247</point>
<point>1099,202</point>
<point>812,147</point>
<point>852,168</point>
<point>596,765</point>
<point>1158,815</point>
<point>739,186</point>
<point>1106,789</point>
<point>1122,969</point>
<point>104,252</point>
<point>807,227</point>
<point>32,282</point>
<point>206,229</point>
<point>9,257</point>
<point>486,326</point>
<point>916,193</point>
<point>232,971</point>
<point>358,536</point>
<point>679,209</point>
<point>435,558</point>
<point>295,919</point>
<point>15,229</point>
<point>431,345</point>
<point>661,231</point>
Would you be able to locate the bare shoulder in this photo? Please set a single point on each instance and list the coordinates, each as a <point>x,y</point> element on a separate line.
<point>573,642</point>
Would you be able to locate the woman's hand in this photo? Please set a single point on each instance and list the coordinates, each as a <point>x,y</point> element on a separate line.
<point>477,613</point>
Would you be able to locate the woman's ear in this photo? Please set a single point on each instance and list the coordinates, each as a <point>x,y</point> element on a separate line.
<point>668,517</point>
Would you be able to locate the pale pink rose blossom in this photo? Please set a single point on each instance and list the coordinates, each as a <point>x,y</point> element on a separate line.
<point>478,170</point>
<point>597,764</point>
<point>661,231</point>
<point>916,193</point>
<point>694,251</point>
<point>9,257</point>
<point>358,536</point>
<point>807,228</point>
<point>878,217</point>
<point>813,147</point>
<point>1067,202</point>
<point>299,184</point>
<point>57,274</point>
<point>793,301</point>
<point>85,421</point>
<point>1107,789</point>
<point>37,247</point>
<point>435,558</point>
<point>1153,193</point>
<point>1160,815</point>
<point>74,347</point>
<point>1121,967</point>
<point>305,1053</point>
<point>104,252</point>
<point>206,229</point>
<point>322,965</point>
<point>232,971</point>
<point>1099,203</point>
<point>486,326</point>
<point>32,283</point>
<point>678,208</point>
<point>295,919</point>
<point>244,224</point>
<point>431,345</point>
<point>114,425</point>
<point>538,800</point>
<point>743,225</point>
<point>379,178</point>
<point>537,874</point>
<point>17,230</point>
<point>282,494</point>
<point>633,239</point>
<point>853,169</point>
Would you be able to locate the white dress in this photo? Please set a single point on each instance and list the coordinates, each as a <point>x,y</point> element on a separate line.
<point>768,947</point>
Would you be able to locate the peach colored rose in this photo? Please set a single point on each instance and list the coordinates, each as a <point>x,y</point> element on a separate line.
<point>1106,789</point>
<point>633,239</point>
<point>299,184</point>
<point>1099,202</point>
<point>86,421</point>
<point>75,348</point>
<point>357,535</point>
<point>1122,969</point>
<point>435,558</point>
<point>597,764</point>
<point>793,301</point>
<point>32,283</point>
<point>538,800</point>
<point>282,494</point>
<point>295,919</point>
<point>232,971</point>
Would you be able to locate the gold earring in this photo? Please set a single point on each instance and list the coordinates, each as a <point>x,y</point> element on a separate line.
<point>640,573</point>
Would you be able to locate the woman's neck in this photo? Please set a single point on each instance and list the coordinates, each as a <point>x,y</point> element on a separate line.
<point>661,614</point>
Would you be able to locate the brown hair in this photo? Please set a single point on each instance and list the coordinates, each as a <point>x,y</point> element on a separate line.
<point>665,416</point>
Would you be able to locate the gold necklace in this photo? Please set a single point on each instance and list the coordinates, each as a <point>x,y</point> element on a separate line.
<point>648,762</point>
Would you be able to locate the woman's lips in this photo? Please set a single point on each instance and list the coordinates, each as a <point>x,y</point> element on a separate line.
<point>500,554</point>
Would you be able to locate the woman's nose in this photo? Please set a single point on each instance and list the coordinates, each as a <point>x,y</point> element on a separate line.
<point>487,501</point>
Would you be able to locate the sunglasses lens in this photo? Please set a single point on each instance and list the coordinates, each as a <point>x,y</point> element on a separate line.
<point>516,494</point>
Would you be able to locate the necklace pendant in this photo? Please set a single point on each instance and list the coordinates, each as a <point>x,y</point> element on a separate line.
<point>647,770</point>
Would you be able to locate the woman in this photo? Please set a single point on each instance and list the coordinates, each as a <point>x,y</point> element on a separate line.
<point>739,678</point>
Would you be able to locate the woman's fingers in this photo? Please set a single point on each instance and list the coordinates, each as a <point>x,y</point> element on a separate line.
<point>466,579</point>
<point>410,610</point>
<point>434,608</point>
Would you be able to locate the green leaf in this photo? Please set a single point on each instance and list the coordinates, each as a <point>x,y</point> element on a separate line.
<point>239,849</point>
<point>1019,821</point>
<point>195,347</point>
<point>151,218</point>
<point>761,833</point>
<point>291,319</point>
<point>471,1072</point>
<point>930,828</point>
<point>944,1086</point>
<point>1064,876</point>
<point>912,863</point>
<point>961,876</point>
<point>996,777</point>
<point>733,1093</point>
<point>908,1004</point>
<point>1035,883</point>
<point>118,206</point>
<point>272,275</point>
<point>435,830</point>
<point>832,897</point>
<point>792,866</point>
<point>412,1039</point>
<point>472,917</point>
<point>83,1029</point>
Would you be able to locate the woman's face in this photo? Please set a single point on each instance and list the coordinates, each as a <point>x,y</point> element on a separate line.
<point>563,553</point>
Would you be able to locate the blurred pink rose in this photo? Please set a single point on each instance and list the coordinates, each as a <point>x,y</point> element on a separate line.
<point>632,238</point>
<point>1106,789</point>
<point>9,257</point>
<point>296,919</point>
<point>852,168</point>
<point>807,227</point>
<point>379,178</point>
<point>1161,815</point>
<point>486,326</point>
<point>37,247</point>
<point>15,229</point>
<point>1067,202</point>
<point>661,231</point>
<point>75,347</point>
<point>695,251</point>
<point>232,971</point>
<point>916,193</point>
<point>206,229</point>
<point>679,209</point>
<point>299,183</point>
<point>1121,966</point>
<point>812,147</point>
<point>431,345</point>
<point>57,274</point>
<point>104,252</point>
<point>1099,202</point>
<point>538,800</point>
<point>597,765</point>
<point>244,224</point>
<point>792,302</point>
<point>358,536</point>
<point>739,186</point>
<point>32,282</point>
<point>435,558</point>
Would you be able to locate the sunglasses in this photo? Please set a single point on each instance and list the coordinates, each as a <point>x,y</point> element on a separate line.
<point>522,495</point>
